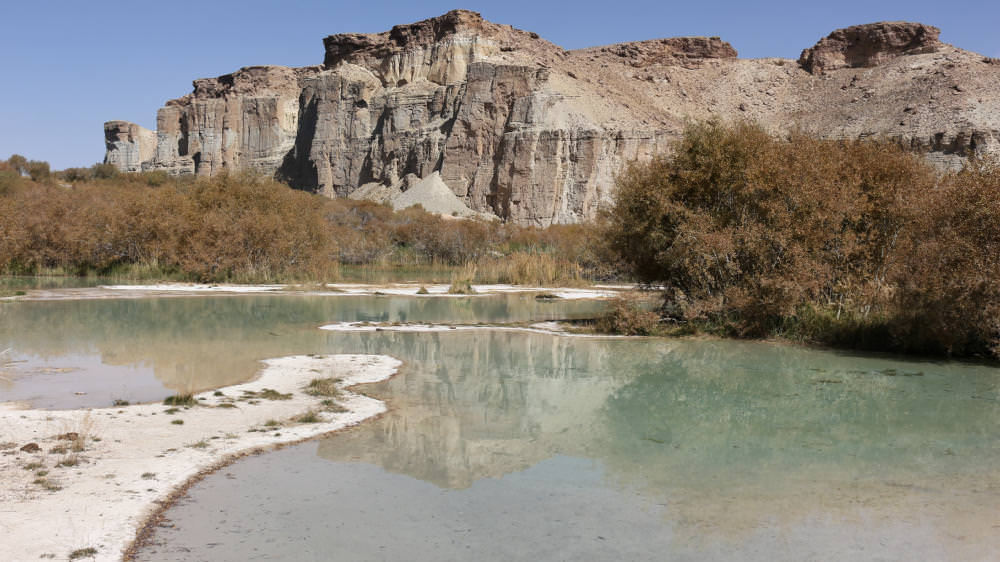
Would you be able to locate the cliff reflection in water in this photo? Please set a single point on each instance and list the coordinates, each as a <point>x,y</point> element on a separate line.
<point>731,434</point>
<point>195,343</point>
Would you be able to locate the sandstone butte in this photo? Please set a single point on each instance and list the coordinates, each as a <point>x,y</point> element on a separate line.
<point>522,129</point>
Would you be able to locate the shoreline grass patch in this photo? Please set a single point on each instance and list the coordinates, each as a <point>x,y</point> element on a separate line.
<point>180,400</point>
<point>323,387</point>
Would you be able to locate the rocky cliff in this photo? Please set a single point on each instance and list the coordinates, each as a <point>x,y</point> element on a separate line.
<point>520,128</point>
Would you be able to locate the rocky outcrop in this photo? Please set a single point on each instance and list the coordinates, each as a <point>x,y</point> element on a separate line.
<point>519,128</point>
<point>869,45</point>
<point>128,145</point>
<point>247,119</point>
<point>672,50</point>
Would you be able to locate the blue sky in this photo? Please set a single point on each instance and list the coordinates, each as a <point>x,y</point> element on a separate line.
<point>70,65</point>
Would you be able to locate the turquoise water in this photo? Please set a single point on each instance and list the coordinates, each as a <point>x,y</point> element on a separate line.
<point>512,446</point>
<point>88,353</point>
<point>508,446</point>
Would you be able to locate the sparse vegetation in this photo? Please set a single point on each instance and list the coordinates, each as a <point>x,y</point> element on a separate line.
<point>858,244</point>
<point>461,281</point>
<point>309,417</point>
<point>323,387</point>
<point>180,400</point>
<point>271,394</point>
<point>177,422</point>
<point>79,553</point>
<point>627,316</point>
<point>69,461</point>
<point>332,406</point>
<point>47,485</point>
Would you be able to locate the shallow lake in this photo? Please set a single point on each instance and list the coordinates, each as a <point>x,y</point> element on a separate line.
<point>89,353</point>
<point>512,446</point>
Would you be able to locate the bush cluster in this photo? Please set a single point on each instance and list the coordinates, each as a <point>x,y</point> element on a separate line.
<point>245,227</point>
<point>852,243</point>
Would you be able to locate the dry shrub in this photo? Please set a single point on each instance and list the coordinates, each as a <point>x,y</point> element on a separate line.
<point>244,227</point>
<point>740,224</point>
<point>856,243</point>
<point>215,229</point>
<point>626,316</point>
<point>947,297</point>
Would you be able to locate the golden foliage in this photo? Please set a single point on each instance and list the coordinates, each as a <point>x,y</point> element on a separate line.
<point>242,227</point>
<point>754,233</point>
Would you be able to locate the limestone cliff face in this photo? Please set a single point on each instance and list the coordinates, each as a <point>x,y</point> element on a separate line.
<point>128,145</point>
<point>245,119</point>
<point>520,128</point>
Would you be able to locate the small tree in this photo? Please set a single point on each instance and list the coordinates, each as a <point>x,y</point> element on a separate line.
<point>18,164</point>
<point>103,171</point>
<point>38,170</point>
<point>74,175</point>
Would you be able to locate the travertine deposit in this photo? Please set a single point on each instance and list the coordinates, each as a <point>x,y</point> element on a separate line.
<point>519,128</point>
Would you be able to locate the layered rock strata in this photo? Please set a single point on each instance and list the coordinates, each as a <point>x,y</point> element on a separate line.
<point>869,45</point>
<point>128,145</point>
<point>522,129</point>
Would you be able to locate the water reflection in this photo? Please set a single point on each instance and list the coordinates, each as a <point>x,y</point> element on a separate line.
<point>729,449</point>
<point>731,435</point>
<point>520,444</point>
<point>183,344</point>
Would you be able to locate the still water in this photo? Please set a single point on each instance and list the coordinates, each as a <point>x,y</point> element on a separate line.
<point>516,446</point>
<point>89,353</point>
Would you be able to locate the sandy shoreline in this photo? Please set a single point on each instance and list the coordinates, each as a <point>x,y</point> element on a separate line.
<point>130,458</point>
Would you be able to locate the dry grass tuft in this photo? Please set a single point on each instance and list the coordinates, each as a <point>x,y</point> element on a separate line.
<point>323,387</point>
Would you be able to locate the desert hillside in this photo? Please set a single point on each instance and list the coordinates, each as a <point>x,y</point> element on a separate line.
<point>520,128</point>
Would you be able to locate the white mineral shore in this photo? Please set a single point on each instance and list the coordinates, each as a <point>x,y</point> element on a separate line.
<point>134,456</point>
<point>328,289</point>
<point>547,328</point>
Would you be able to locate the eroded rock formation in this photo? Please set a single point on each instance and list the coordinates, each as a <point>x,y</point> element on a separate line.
<point>520,128</point>
<point>128,145</point>
<point>869,45</point>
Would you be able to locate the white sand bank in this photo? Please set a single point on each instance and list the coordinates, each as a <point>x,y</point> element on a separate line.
<point>547,328</point>
<point>134,456</point>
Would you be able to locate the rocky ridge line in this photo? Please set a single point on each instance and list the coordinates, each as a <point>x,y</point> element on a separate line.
<point>519,128</point>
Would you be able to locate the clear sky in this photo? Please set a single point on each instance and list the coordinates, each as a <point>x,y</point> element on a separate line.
<point>71,65</point>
